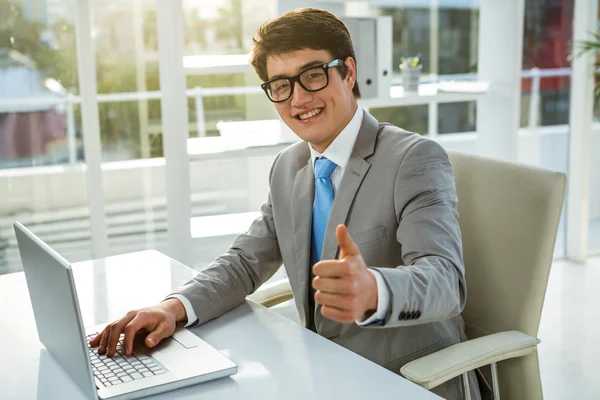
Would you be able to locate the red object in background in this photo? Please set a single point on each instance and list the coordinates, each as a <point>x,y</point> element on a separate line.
<point>550,49</point>
<point>28,134</point>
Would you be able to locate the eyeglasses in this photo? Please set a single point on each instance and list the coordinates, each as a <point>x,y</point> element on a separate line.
<point>311,79</point>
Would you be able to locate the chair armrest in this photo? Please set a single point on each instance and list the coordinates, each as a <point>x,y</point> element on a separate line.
<point>273,293</point>
<point>441,366</point>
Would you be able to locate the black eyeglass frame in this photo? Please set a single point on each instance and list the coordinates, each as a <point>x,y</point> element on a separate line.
<point>296,78</point>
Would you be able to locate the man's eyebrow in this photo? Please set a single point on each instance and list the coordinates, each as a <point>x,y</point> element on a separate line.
<point>302,68</point>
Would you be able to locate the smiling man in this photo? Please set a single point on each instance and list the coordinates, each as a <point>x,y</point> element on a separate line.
<point>362,214</point>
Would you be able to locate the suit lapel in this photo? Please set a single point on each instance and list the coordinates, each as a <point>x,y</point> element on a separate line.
<point>353,176</point>
<point>355,172</point>
<point>302,202</point>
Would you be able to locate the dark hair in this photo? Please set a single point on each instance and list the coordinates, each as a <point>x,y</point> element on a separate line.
<point>304,28</point>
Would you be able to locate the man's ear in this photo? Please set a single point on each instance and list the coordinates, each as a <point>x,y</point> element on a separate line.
<point>350,70</point>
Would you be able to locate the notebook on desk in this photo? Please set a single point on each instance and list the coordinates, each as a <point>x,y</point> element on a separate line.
<point>181,360</point>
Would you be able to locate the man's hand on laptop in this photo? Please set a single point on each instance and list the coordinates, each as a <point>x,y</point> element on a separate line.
<point>159,321</point>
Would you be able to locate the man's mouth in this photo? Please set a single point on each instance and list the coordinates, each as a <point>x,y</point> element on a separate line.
<point>309,114</point>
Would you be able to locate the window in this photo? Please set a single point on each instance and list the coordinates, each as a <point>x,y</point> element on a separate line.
<point>40,127</point>
<point>457,117</point>
<point>446,37</point>
<point>594,212</point>
<point>127,79</point>
<point>547,34</point>
<point>228,27</point>
<point>410,118</point>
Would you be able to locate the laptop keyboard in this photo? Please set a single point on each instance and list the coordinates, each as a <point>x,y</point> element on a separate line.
<point>121,368</point>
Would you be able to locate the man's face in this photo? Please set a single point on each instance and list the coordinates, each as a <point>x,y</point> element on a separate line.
<point>316,117</point>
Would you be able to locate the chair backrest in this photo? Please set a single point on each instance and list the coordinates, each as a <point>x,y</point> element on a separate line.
<point>509,216</point>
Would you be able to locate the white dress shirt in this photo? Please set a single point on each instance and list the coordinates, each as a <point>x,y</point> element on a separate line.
<point>339,152</point>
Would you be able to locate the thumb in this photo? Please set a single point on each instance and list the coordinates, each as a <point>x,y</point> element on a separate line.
<point>347,245</point>
<point>162,331</point>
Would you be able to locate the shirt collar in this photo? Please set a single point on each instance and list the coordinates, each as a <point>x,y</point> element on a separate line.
<point>340,149</point>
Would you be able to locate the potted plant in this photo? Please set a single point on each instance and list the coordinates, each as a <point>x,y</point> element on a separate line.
<point>592,45</point>
<point>411,71</point>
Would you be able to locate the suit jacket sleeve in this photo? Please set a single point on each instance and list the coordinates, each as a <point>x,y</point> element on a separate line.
<point>430,286</point>
<point>250,261</point>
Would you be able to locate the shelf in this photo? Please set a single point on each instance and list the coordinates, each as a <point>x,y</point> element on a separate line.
<point>439,92</point>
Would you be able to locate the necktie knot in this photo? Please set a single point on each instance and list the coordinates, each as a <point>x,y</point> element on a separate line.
<point>324,168</point>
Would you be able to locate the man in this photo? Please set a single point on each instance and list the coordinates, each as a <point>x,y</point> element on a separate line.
<point>363,217</point>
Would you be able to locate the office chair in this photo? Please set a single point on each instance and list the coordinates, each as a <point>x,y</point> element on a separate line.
<point>509,216</point>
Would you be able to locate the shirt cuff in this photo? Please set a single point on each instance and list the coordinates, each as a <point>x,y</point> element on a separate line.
<point>383,297</point>
<point>189,310</point>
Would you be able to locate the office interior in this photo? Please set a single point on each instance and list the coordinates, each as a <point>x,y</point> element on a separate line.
<point>98,161</point>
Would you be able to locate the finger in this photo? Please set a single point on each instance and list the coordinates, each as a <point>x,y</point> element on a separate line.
<point>331,268</point>
<point>340,302</point>
<point>333,285</point>
<point>336,314</point>
<point>104,340</point>
<point>115,332</point>
<point>163,330</point>
<point>114,335</point>
<point>96,340</point>
<point>347,245</point>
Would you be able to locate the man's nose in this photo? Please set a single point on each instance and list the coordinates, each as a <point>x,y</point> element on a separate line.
<point>301,96</point>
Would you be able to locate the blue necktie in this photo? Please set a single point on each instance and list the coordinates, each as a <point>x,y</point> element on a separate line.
<point>322,205</point>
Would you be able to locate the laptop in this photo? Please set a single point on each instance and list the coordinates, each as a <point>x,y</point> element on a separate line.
<point>178,361</point>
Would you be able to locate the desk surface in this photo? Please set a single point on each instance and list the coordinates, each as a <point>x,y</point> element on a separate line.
<point>277,358</point>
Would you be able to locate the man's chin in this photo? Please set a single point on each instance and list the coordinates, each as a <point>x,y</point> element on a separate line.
<point>308,135</point>
<point>314,131</point>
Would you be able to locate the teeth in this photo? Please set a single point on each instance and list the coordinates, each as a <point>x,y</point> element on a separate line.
<point>310,114</point>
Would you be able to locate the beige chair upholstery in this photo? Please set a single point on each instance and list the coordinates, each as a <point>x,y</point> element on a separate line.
<point>273,293</point>
<point>509,217</point>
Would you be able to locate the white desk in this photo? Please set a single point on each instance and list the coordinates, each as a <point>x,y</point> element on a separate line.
<point>277,358</point>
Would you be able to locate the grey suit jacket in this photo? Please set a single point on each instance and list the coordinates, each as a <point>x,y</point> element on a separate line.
<point>398,199</point>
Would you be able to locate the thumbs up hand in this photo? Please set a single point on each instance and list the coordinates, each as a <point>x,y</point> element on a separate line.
<point>345,288</point>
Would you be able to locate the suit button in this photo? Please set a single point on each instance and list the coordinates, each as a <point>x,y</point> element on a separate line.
<point>402,316</point>
<point>413,315</point>
<point>418,314</point>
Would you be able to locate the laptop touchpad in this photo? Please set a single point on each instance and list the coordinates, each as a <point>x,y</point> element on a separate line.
<point>186,338</point>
